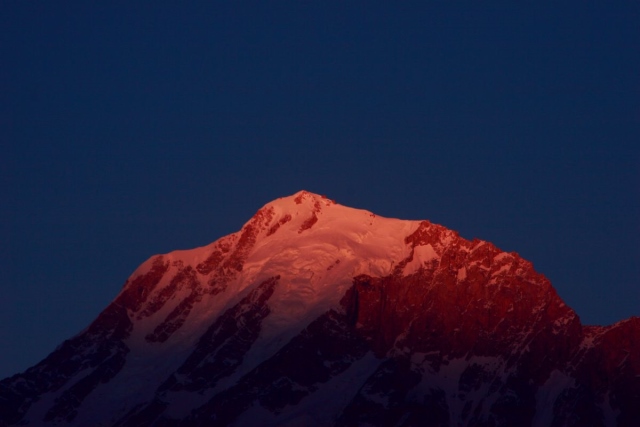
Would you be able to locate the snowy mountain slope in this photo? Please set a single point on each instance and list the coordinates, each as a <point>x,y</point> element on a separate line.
<point>319,314</point>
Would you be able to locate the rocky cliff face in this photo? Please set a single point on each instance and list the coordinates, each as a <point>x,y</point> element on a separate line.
<point>317,314</point>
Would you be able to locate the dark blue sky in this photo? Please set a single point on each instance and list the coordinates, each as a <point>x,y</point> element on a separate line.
<point>128,131</point>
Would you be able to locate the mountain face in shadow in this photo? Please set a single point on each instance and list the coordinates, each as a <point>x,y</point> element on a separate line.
<point>316,314</point>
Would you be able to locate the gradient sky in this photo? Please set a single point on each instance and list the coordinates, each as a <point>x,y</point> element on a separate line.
<point>128,131</point>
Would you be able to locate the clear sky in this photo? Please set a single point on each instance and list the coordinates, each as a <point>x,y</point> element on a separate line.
<point>128,131</point>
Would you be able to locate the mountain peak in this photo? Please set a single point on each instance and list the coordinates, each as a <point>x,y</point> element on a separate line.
<point>319,314</point>
<point>301,198</point>
<point>302,204</point>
